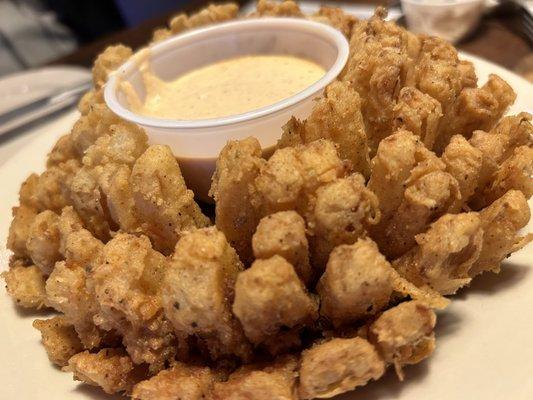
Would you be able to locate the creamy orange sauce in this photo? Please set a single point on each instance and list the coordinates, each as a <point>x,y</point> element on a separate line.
<point>229,87</point>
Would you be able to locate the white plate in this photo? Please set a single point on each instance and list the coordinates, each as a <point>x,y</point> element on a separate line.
<point>484,346</point>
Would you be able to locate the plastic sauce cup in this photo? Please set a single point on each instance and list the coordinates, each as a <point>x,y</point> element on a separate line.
<point>197,143</point>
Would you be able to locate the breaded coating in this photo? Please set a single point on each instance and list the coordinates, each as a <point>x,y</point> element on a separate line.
<point>28,191</point>
<point>114,183</point>
<point>62,151</point>
<point>418,113</point>
<point>336,117</point>
<point>290,178</point>
<point>110,160</point>
<point>356,284</point>
<point>444,254</point>
<point>181,381</point>
<point>430,193</point>
<point>26,286</point>
<point>127,286</point>
<point>69,222</point>
<point>19,230</point>
<point>396,156</point>
<point>293,133</point>
<point>214,13</point>
<point>43,241</point>
<point>283,234</point>
<point>510,132</point>
<point>497,145</point>
<point>46,191</point>
<point>162,33</point>
<point>404,288</point>
<point>108,61</point>
<point>468,74</point>
<point>437,71</point>
<point>82,248</point>
<point>343,211</point>
<point>273,8</point>
<point>404,334</point>
<point>89,99</point>
<point>476,108</point>
<point>109,369</point>
<point>269,298</point>
<point>198,292</point>
<point>515,173</point>
<point>67,292</point>
<point>124,144</point>
<point>501,222</point>
<point>59,339</point>
<point>336,17</point>
<point>464,162</point>
<point>91,126</point>
<point>87,199</point>
<point>237,167</point>
<point>380,58</point>
<point>338,366</point>
<point>274,380</point>
<point>165,206</point>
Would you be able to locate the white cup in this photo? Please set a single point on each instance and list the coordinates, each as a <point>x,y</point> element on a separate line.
<point>197,143</point>
<point>449,19</point>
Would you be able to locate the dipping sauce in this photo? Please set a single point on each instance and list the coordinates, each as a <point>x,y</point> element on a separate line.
<point>229,87</point>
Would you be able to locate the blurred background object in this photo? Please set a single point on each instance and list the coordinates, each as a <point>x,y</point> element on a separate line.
<point>31,35</point>
<point>449,19</point>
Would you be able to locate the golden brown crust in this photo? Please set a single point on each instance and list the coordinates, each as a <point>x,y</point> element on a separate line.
<point>283,234</point>
<point>108,61</point>
<point>67,292</point>
<point>404,334</point>
<point>338,366</point>
<point>501,222</point>
<point>276,380</point>
<point>357,283</point>
<point>59,339</point>
<point>198,291</point>
<point>290,178</point>
<point>26,286</point>
<point>343,211</point>
<point>165,206</point>
<point>43,241</point>
<point>336,117</point>
<point>283,8</point>
<point>19,230</point>
<point>269,298</point>
<point>444,254</point>
<point>109,369</point>
<point>236,170</point>
<point>181,381</point>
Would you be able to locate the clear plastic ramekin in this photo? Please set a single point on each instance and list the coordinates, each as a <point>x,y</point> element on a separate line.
<point>197,143</point>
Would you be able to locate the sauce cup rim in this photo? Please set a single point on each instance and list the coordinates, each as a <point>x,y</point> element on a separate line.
<point>324,31</point>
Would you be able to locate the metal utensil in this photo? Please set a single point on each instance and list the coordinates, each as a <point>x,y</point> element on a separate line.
<point>42,107</point>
